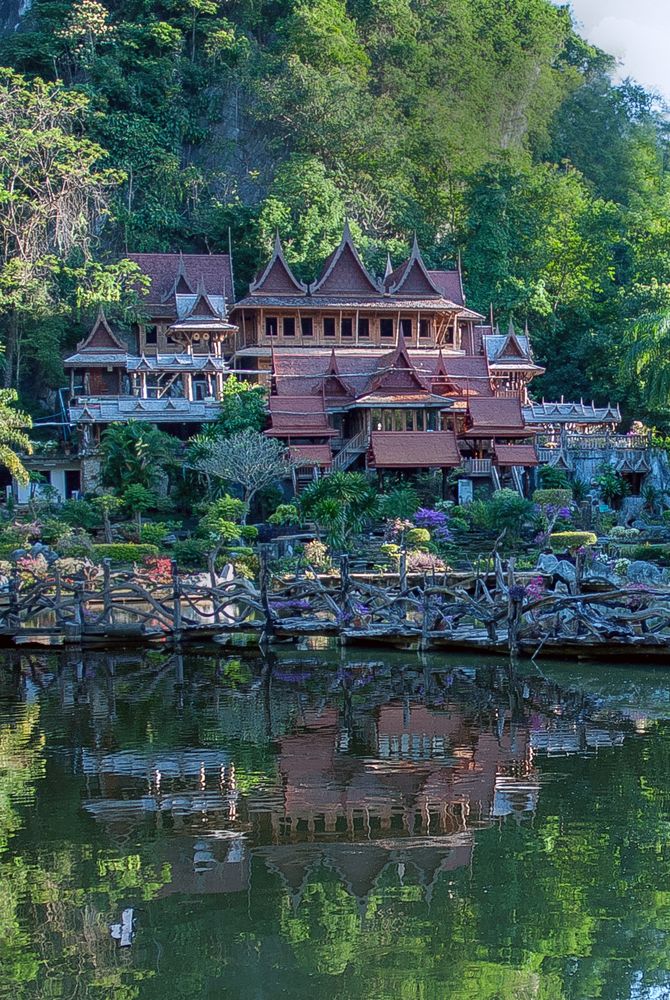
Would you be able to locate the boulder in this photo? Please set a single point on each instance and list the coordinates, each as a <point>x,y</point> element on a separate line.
<point>640,571</point>
<point>547,563</point>
<point>566,571</point>
<point>598,570</point>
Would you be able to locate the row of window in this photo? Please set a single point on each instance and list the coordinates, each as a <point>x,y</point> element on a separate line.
<point>387,327</point>
<point>405,420</point>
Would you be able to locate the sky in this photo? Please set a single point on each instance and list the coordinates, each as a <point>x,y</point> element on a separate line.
<point>637,32</point>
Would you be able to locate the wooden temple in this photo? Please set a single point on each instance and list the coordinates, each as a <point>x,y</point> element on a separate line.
<point>394,374</point>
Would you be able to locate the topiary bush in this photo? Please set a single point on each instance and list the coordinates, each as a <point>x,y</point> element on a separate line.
<point>417,538</point>
<point>570,540</point>
<point>622,534</point>
<point>285,514</point>
<point>123,552</point>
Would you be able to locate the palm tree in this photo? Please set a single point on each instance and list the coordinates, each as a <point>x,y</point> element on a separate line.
<point>134,453</point>
<point>649,340</point>
<point>13,425</point>
<point>341,504</point>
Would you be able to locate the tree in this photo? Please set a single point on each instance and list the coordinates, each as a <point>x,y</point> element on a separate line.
<point>53,194</point>
<point>13,426</point>
<point>107,504</point>
<point>243,407</point>
<point>341,504</point>
<point>135,453</point>
<point>138,499</point>
<point>249,460</point>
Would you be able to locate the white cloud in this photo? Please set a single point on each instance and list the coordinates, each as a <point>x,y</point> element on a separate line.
<point>638,34</point>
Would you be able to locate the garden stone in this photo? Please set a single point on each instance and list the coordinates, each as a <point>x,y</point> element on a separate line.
<point>600,571</point>
<point>169,540</point>
<point>18,554</point>
<point>566,571</point>
<point>640,571</point>
<point>547,563</point>
<point>561,588</point>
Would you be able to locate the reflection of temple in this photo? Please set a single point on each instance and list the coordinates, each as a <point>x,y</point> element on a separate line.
<point>398,791</point>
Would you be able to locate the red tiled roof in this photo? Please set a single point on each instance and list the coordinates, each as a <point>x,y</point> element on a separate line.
<point>213,270</point>
<point>413,449</point>
<point>450,285</point>
<point>298,416</point>
<point>516,454</point>
<point>311,454</point>
<point>496,417</point>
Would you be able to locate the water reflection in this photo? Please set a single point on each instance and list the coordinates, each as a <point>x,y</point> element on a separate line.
<point>381,828</point>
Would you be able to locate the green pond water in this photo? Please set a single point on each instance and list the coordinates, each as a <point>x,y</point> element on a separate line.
<point>319,824</point>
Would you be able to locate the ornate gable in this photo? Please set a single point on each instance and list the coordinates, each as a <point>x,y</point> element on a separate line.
<point>344,272</point>
<point>412,277</point>
<point>277,278</point>
<point>333,385</point>
<point>180,285</point>
<point>441,383</point>
<point>398,373</point>
<point>512,347</point>
<point>101,337</point>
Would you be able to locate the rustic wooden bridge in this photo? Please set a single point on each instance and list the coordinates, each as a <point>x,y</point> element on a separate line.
<point>493,612</point>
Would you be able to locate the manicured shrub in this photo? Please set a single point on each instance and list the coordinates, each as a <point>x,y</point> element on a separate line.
<point>286,513</point>
<point>248,533</point>
<point>417,537</point>
<point>80,514</point>
<point>553,497</point>
<point>123,552</point>
<point>624,534</point>
<point>54,531</point>
<point>570,540</point>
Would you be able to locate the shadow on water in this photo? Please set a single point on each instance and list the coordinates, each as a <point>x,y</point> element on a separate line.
<point>358,824</point>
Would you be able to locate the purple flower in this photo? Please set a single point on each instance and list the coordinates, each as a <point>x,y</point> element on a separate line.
<point>431,519</point>
<point>564,512</point>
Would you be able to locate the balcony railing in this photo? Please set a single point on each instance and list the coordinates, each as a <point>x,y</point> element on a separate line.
<point>478,466</point>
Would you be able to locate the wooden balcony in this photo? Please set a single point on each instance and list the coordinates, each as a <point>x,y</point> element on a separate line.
<point>478,466</point>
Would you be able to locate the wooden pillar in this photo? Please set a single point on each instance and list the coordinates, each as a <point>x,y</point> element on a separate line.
<point>143,385</point>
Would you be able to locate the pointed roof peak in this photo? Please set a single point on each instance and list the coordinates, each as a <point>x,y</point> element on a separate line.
<point>511,332</point>
<point>277,278</point>
<point>389,267</point>
<point>412,276</point>
<point>344,272</point>
<point>181,285</point>
<point>101,336</point>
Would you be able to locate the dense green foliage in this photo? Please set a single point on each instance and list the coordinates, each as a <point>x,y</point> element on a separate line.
<point>488,126</point>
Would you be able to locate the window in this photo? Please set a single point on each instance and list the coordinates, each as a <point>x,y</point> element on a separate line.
<point>347,328</point>
<point>363,327</point>
<point>424,328</point>
<point>307,326</point>
<point>329,326</point>
<point>288,326</point>
<point>270,326</point>
<point>386,328</point>
<point>150,335</point>
<point>406,327</point>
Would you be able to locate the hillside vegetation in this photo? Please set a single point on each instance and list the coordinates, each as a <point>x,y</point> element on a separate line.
<point>487,126</point>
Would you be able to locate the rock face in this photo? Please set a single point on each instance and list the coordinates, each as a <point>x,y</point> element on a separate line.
<point>598,570</point>
<point>640,571</point>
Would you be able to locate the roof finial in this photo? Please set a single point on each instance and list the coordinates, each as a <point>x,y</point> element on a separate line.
<point>415,246</point>
<point>389,266</point>
<point>511,332</point>
<point>346,232</point>
<point>491,316</point>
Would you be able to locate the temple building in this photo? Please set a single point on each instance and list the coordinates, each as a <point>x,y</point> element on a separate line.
<point>391,374</point>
